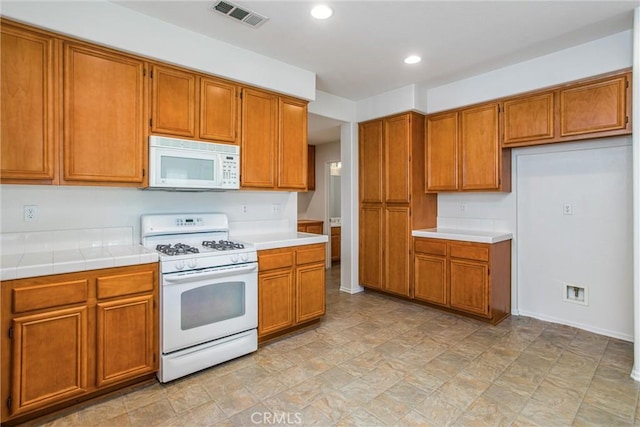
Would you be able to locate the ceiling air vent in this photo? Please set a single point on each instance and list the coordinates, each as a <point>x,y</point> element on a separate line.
<point>239,13</point>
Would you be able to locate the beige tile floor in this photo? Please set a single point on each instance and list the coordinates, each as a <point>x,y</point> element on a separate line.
<point>379,361</point>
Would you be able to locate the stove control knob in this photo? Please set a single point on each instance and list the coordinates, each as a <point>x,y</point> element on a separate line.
<point>180,265</point>
<point>192,263</point>
<point>234,258</point>
<point>245,257</point>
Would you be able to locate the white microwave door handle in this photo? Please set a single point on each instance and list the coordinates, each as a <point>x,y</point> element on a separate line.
<point>220,171</point>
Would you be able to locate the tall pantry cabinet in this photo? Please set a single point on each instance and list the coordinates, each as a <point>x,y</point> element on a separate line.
<point>392,200</point>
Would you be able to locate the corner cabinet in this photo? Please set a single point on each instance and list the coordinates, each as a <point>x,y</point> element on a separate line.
<point>291,288</point>
<point>274,142</point>
<point>73,336</point>
<point>101,89</point>
<point>28,105</point>
<point>463,151</point>
<point>392,200</point>
<point>469,278</point>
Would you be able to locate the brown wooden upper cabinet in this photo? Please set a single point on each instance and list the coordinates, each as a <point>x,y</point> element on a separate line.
<point>463,151</point>
<point>28,105</point>
<point>529,118</point>
<point>185,104</point>
<point>586,109</point>
<point>311,168</point>
<point>103,88</point>
<point>274,142</point>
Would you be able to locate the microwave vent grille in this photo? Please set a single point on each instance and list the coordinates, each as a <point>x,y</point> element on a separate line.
<point>160,141</point>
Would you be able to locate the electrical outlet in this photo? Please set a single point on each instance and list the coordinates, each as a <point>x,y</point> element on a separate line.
<point>275,208</point>
<point>567,209</point>
<point>243,209</point>
<point>30,213</point>
<point>463,207</point>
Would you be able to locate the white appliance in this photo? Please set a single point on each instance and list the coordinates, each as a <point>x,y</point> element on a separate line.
<point>208,292</point>
<point>181,164</point>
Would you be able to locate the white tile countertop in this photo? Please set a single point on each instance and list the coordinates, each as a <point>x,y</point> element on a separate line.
<point>477,236</point>
<point>54,252</point>
<point>281,240</point>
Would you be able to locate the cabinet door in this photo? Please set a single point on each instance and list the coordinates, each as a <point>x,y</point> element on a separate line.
<point>442,152</point>
<point>528,118</point>
<point>469,286</point>
<point>49,358</point>
<point>218,110</point>
<point>315,228</point>
<point>275,301</point>
<point>594,107</point>
<point>310,292</point>
<point>371,162</point>
<point>397,263</point>
<point>397,151</point>
<point>292,144</point>
<point>480,148</point>
<point>259,135</point>
<point>370,253</point>
<point>104,107</point>
<point>125,341</point>
<point>430,279</point>
<point>173,102</point>
<point>27,105</point>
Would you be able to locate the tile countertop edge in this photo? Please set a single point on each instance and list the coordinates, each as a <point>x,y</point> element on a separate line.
<point>282,240</point>
<point>464,235</point>
<point>52,263</point>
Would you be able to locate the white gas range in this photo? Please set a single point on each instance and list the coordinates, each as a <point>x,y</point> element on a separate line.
<point>208,291</point>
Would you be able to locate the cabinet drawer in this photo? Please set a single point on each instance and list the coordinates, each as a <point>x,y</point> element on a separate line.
<point>480,253</point>
<point>274,260</point>
<point>125,284</point>
<point>49,295</point>
<point>430,247</point>
<point>306,255</point>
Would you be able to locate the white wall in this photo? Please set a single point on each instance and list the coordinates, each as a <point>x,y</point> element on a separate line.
<point>113,25</point>
<point>592,248</point>
<point>68,207</point>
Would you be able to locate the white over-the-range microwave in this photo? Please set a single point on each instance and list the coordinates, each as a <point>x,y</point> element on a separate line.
<point>181,164</point>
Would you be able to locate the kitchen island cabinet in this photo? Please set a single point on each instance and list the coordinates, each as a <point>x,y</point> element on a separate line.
<point>291,288</point>
<point>392,200</point>
<point>470,278</point>
<point>74,336</point>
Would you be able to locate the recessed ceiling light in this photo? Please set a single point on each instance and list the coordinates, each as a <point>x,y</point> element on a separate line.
<point>412,59</point>
<point>321,11</point>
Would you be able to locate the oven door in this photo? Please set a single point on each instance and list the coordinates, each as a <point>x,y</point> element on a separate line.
<point>204,305</point>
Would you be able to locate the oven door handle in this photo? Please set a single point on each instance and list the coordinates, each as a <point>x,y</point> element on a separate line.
<point>198,275</point>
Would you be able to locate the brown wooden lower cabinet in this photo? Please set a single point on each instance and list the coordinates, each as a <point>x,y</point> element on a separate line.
<point>470,278</point>
<point>291,288</point>
<point>311,226</point>
<point>71,336</point>
<point>336,237</point>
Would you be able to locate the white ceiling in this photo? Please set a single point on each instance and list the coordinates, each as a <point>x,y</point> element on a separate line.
<point>358,52</point>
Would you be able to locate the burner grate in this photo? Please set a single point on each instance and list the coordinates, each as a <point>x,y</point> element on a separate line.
<point>177,249</point>
<point>222,245</point>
